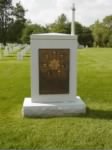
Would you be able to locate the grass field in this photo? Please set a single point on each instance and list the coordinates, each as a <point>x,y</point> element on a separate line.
<point>92,130</point>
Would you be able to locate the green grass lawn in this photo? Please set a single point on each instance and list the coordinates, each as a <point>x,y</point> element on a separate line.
<point>92,130</point>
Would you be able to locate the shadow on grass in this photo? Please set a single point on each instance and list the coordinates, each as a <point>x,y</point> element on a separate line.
<point>98,114</point>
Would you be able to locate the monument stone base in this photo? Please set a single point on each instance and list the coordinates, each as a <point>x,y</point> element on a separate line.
<point>53,109</point>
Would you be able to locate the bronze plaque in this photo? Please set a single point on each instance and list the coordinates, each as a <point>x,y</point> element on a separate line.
<point>54,71</point>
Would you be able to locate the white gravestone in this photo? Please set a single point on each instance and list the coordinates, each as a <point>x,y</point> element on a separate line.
<point>19,56</point>
<point>53,77</point>
<point>5,52</point>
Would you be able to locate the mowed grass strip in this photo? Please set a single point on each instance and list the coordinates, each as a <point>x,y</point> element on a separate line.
<point>92,130</point>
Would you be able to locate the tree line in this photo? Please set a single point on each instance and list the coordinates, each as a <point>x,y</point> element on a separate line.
<point>15,28</point>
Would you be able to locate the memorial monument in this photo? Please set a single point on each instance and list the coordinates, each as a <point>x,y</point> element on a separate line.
<point>53,75</point>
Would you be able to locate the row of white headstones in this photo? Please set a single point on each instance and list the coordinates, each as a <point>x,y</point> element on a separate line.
<point>20,49</point>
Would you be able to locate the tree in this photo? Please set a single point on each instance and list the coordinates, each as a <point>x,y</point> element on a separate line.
<point>107,21</point>
<point>60,25</point>
<point>30,29</point>
<point>18,25</point>
<point>84,34</point>
<point>102,32</point>
<point>97,31</point>
<point>12,21</point>
<point>5,19</point>
<point>85,37</point>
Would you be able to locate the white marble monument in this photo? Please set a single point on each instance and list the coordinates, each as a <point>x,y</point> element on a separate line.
<point>53,76</point>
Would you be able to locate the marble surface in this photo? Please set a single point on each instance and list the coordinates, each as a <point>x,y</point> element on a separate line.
<point>31,109</point>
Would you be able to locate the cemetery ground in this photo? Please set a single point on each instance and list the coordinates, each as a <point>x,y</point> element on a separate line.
<point>92,130</point>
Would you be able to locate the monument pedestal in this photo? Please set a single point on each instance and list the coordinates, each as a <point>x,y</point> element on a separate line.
<point>53,109</point>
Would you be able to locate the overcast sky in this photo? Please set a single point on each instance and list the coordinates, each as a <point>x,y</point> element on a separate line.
<point>46,11</point>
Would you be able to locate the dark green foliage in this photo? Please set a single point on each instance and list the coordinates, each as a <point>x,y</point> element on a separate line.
<point>85,36</point>
<point>11,21</point>
<point>30,29</point>
<point>18,24</point>
<point>60,25</point>
<point>5,19</point>
<point>102,32</point>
